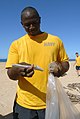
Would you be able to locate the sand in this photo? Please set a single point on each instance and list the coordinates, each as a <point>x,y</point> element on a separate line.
<point>8,89</point>
<point>7,93</point>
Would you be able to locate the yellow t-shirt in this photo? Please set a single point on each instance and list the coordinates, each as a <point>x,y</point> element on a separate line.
<point>78,61</point>
<point>38,50</point>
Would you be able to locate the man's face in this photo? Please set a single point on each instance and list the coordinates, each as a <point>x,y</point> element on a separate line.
<point>77,55</point>
<point>31,24</point>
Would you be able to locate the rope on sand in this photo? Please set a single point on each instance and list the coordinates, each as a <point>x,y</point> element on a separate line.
<point>75,98</point>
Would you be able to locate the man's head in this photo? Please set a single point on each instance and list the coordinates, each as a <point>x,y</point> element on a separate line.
<point>76,54</point>
<point>30,20</point>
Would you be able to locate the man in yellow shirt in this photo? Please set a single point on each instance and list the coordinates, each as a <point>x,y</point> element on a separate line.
<point>77,63</point>
<point>34,48</point>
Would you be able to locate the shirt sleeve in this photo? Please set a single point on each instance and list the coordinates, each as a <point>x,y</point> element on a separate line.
<point>62,53</point>
<point>13,57</point>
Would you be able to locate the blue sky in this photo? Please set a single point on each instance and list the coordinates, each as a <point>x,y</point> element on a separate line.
<point>58,17</point>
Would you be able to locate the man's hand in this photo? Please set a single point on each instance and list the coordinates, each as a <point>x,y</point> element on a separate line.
<point>58,69</point>
<point>55,68</point>
<point>15,72</point>
<point>27,72</point>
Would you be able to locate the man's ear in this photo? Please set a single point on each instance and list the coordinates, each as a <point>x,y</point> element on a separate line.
<point>21,23</point>
<point>39,19</point>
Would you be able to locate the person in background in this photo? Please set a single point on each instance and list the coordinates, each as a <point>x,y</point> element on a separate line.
<point>34,48</point>
<point>77,63</point>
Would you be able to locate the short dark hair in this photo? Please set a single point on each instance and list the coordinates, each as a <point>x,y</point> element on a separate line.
<point>76,53</point>
<point>30,9</point>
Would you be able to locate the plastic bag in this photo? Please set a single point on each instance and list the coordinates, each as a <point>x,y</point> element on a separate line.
<point>52,107</point>
<point>58,105</point>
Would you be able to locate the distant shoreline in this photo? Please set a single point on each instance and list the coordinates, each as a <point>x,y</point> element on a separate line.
<point>71,59</point>
<point>4,60</point>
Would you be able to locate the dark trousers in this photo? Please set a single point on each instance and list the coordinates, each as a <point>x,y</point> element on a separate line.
<point>20,112</point>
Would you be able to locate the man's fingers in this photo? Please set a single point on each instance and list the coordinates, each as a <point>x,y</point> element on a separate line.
<point>27,74</point>
<point>30,74</point>
<point>30,69</point>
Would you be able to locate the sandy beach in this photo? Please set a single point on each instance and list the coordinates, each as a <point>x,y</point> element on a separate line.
<point>8,89</point>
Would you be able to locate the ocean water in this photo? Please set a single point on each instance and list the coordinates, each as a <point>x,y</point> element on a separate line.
<point>3,60</point>
<point>71,59</point>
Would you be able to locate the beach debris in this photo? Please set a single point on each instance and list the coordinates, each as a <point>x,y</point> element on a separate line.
<point>75,98</point>
<point>75,86</point>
